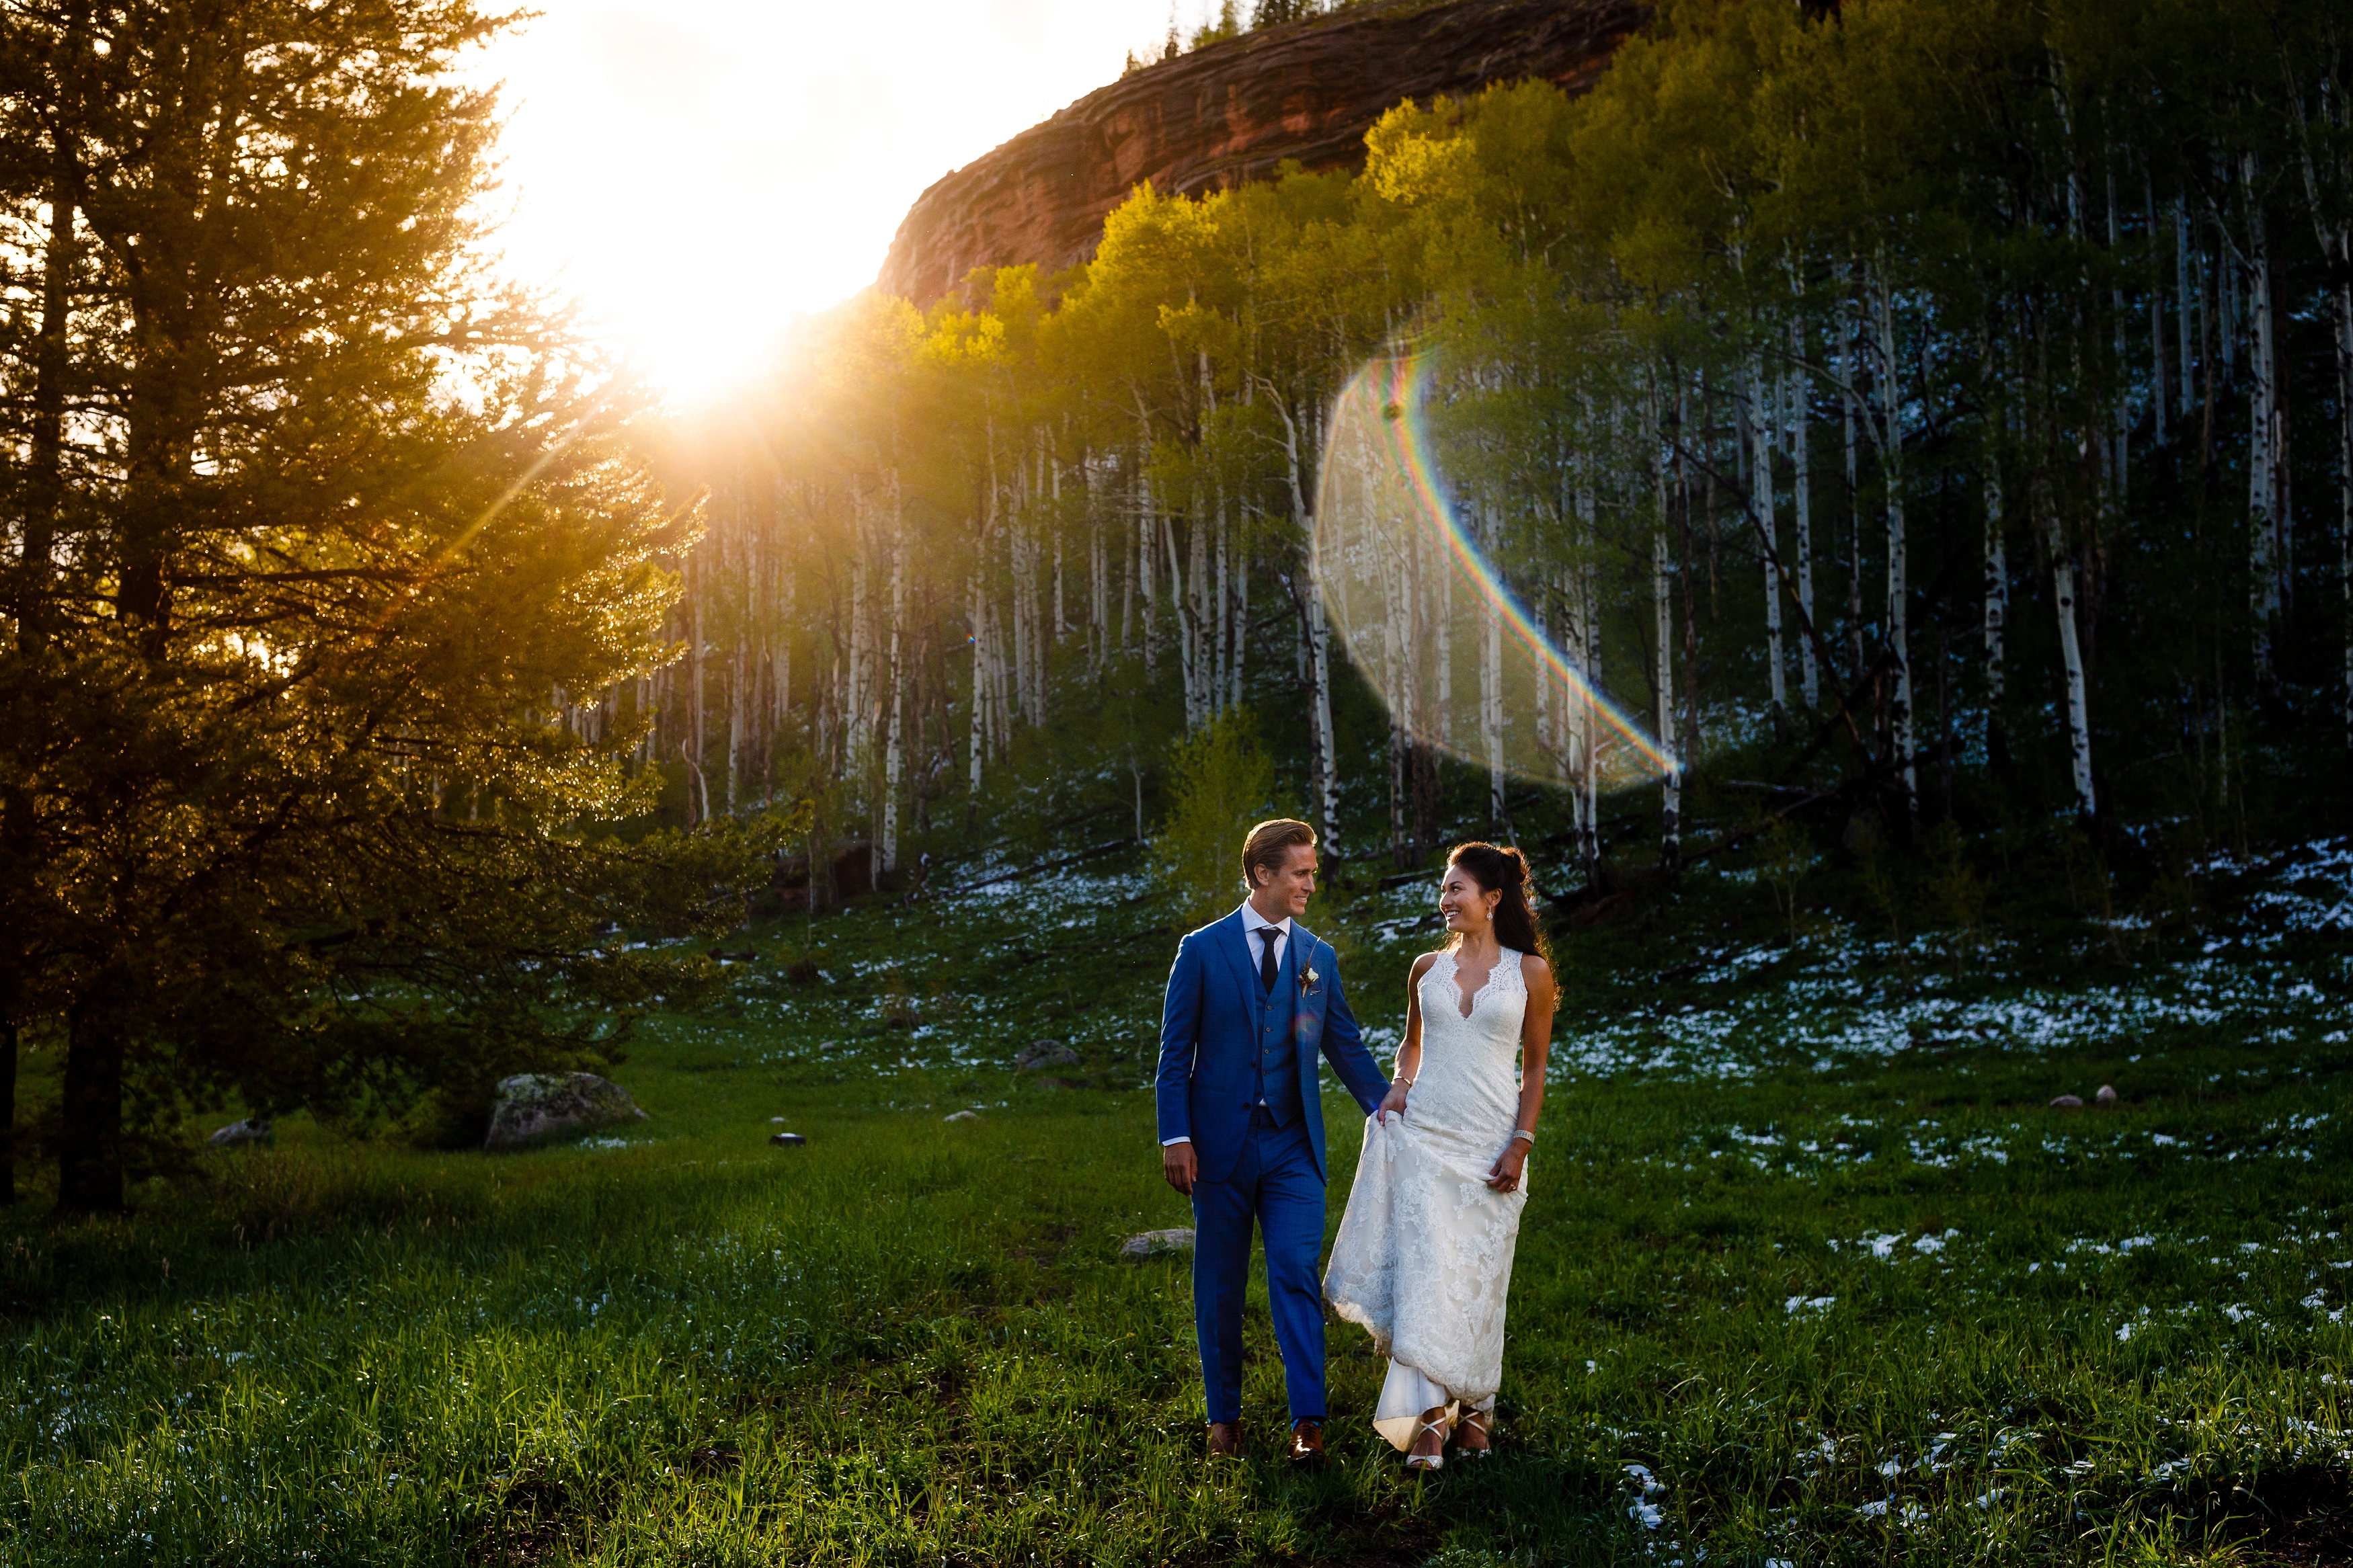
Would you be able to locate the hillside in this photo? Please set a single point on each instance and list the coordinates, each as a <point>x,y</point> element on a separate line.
<point>1230,112</point>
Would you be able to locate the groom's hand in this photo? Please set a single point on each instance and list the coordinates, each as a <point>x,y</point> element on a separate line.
<point>1180,1165</point>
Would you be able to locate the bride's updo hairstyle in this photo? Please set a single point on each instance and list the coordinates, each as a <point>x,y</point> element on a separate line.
<point>1505,871</point>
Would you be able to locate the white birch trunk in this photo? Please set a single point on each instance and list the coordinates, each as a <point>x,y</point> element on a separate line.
<point>2161,381</point>
<point>1671,788</point>
<point>2187,297</point>
<point>2071,655</point>
<point>1316,639</point>
<point>2264,563</point>
<point>1769,524</point>
<point>1440,583</point>
<point>1319,667</point>
<point>1098,595</point>
<point>1801,504</point>
<point>1147,544</point>
<point>1054,520</point>
<point>1850,410</point>
<point>1892,459</point>
<point>694,671</point>
<point>894,751</point>
<point>1586,732</point>
<point>1997,585</point>
<point>1491,679</point>
<point>2122,440</point>
<point>979,726</point>
<point>1240,623</point>
<point>1220,620</point>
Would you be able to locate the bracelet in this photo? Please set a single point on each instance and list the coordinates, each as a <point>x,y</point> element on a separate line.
<point>1520,1132</point>
<point>1406,1082</point>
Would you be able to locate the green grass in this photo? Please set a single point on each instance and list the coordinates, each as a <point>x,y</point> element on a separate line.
<point>1861,1301</point>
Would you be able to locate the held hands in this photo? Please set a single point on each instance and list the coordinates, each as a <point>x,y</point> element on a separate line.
<point>1181,1165</point>
<point>1503,1176</point>
<point>1393,1102</point>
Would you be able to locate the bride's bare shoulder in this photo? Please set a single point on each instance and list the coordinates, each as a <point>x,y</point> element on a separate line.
<point>1421,965</point>
<point>1534,970</point>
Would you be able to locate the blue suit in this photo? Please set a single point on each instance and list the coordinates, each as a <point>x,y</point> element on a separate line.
<point>1239,1076</point>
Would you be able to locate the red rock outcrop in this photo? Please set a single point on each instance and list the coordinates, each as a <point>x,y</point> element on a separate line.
<point>1228,112</point>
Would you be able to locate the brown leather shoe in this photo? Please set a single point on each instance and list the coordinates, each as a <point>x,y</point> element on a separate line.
<point>1306,1442</point>
<point>1225,1439</point>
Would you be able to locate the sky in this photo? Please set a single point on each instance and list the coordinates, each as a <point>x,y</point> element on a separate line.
<point>697,172</point>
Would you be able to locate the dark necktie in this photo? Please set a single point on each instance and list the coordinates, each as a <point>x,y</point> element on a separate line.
<point>1266,959</point>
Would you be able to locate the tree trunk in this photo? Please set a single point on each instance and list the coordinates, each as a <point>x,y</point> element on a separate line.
<point>90,1158</point>
<point>1316,639</point>
<point>1327,757</point>
<point>9,1034</point>
<point>1848,406</point>
<point>1670,790</point>
<point>1147,542</point>
<point>978,727</point>
<point>2186,300</point>
<point>2263,565</point>
<point>1222,618</point>
<point>1997,610</point>
<point>895,754</point>
<point>2071,653</point>
<point>1801,502</point>
<point>1892,467</point>
<point>1240,623</point>
<point>1769,522</point>
<point>694,688</point>
<point>1490,683</point>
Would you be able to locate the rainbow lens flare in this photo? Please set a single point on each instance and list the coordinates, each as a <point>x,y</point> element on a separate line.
<point>1418,601</point>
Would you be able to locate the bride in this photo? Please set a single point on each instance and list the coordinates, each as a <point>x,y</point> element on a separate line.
<point>1423,1259</point>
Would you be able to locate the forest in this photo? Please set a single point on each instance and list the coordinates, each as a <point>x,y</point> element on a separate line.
<point>1911,412</point>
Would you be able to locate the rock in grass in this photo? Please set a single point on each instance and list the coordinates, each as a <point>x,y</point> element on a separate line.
<point>961,1116</point>
<point>1152,1243</point>
<point>252,1130</point>
<point>2068,1103</point>
<point>788,1140</point>
<point>2107,1095</point>
<point>1045,1054</point>
<point>536,1106</point>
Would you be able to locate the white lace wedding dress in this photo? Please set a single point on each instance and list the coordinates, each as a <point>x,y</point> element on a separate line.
<point>1424,1255</point>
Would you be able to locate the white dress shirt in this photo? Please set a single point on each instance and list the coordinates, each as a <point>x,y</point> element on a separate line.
<point>1254,922</point>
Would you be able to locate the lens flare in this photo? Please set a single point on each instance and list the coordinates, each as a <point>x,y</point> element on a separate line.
<point>1411,582</point>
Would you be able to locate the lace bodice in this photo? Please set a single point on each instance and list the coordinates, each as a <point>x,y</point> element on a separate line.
<point>1470,1073</point>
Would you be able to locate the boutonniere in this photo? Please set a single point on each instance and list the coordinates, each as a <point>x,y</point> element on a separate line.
<point>1309,981</point>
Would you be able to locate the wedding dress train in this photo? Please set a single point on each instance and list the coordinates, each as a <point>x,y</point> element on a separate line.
<point>1423,1259</point>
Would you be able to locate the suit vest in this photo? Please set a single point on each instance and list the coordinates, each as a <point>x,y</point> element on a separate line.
<point>1278,1052</point>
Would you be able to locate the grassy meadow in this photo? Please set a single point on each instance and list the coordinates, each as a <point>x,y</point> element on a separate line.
<point>1812,1272</point>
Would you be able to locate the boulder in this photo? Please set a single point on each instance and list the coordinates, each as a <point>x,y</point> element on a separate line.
<point>1152,1243</point>
<point>961,1116</point>
<point>788,1140</point>
<point>535,1106</point>
<point>1045,1054</point>
<point>2068,1103</point>
<point>252,1130</point>
<point>2107,1095</point>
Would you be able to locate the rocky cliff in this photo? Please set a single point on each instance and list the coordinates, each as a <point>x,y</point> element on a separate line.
<point>1230,112</point>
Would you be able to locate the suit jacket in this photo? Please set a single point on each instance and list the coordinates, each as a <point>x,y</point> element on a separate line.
<point>1215,1019</point>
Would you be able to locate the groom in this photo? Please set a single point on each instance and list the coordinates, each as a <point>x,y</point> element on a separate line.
<point>1251,999</point>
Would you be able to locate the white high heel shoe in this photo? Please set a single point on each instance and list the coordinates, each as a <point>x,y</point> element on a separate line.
<point>1429,1461</point>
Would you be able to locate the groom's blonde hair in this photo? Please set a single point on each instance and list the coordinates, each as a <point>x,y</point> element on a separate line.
<point>1270,844</point>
